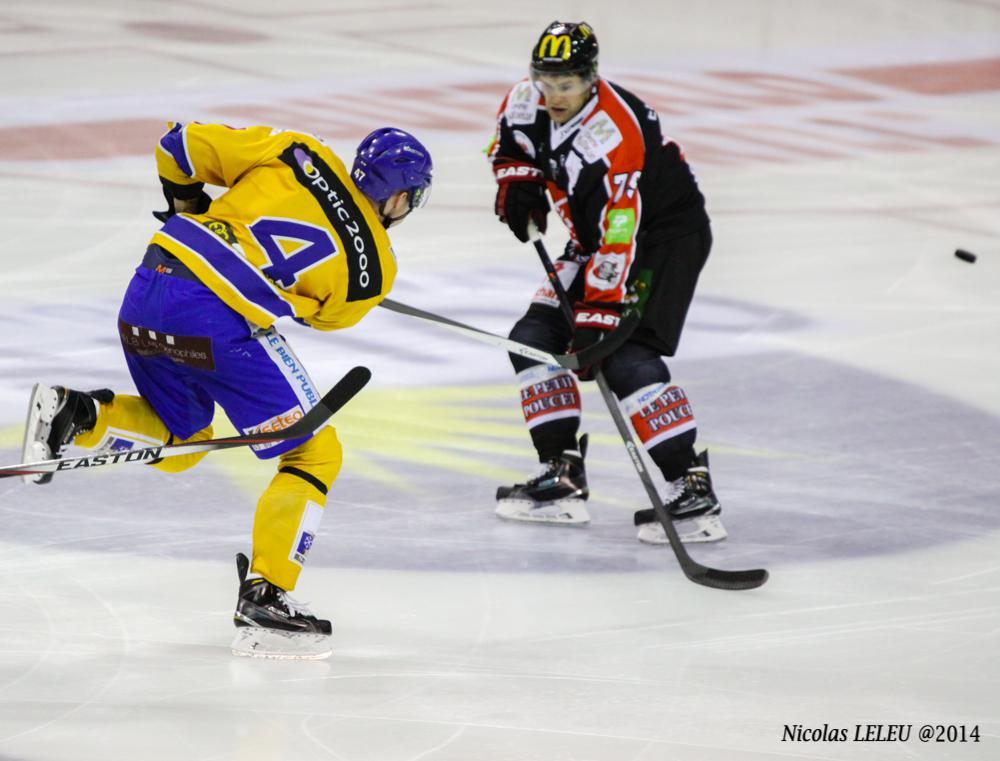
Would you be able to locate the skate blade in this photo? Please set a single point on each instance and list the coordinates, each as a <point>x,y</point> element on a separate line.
<point>258,642</point>
<point>704,528</point>
<point>41,411</point>
<point>567,512</point>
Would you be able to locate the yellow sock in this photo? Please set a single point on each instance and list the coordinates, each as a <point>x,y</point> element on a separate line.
<point>132,419</point>
<point>289,512</point>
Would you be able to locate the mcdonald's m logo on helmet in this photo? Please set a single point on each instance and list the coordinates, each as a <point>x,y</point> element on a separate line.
<point>556,47</point>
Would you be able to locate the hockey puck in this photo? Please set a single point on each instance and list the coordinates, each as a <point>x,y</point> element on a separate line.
<point>965,256</point>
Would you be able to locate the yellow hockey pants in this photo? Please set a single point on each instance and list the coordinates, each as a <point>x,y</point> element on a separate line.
<point>288,513</point>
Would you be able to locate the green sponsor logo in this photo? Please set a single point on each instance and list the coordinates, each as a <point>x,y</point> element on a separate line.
<point>621,225</point>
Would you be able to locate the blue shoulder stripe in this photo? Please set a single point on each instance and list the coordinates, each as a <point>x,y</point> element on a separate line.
<point>175,143</point>
<point>228,264</point>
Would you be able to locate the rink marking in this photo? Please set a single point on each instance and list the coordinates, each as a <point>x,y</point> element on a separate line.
<point>938,78</point>
<point>733,117</point>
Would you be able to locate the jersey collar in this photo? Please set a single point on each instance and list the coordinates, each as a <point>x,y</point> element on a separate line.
<point>559,134</point>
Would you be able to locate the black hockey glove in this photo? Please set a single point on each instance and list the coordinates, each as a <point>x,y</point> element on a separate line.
<point>172,190</point>
<point>574,253</point>
<point>520,196</point>
<point>592,320</point>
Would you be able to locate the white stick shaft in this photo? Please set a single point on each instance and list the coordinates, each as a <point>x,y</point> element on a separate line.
<point>475,333</point>
<point>501,343</point>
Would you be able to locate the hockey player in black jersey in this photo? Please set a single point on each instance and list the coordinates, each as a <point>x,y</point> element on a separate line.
<point>569,140</point>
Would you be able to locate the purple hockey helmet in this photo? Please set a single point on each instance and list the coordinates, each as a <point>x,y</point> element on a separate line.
<point>390,160</point>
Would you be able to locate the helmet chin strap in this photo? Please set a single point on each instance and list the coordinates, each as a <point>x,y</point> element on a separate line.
<point>388,221</point>
<point>385,219</point>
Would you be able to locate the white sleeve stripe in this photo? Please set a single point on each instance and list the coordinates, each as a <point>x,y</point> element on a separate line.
<point>187,153</point>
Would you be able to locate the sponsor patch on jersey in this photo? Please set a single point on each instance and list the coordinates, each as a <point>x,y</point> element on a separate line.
<point>279,422</point>
<point>597,138</point>
<point>220,228</point>
<point>283,356</point>
<point>621,226</point>
<point>119,440</point>
<point>305,543</point>
<point>606,271</point>
<point>364,271</point>
<point>193,351</point>
<point>522,104</point>
<point>546,294</point>
<point>306,533</point>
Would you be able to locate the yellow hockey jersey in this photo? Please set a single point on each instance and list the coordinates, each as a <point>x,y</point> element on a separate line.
<point>292,237</point>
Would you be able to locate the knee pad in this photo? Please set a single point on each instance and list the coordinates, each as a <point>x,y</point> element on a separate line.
<point>543,328</point>
<point>316,461</point>
<point>634,366</point>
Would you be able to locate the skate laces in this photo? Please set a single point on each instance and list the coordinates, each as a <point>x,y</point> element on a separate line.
<point>295,607</point>
<point>550,469</point>
<point>675,490</point>
<point>63,438</point>
<point>546,470</point>
<point>81,409</point>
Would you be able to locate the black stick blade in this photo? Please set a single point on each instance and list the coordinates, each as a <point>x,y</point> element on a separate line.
<point>346,389</point>
<point>734,580</point>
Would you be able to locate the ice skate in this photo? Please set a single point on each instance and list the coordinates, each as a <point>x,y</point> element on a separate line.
<point>270,624</point>
<point>56,415</point>
<point>691,504</point>
<point>557,495</point>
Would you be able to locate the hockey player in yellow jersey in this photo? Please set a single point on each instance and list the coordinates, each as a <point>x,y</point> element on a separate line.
<point>294,235</point>
<point>284,186</point>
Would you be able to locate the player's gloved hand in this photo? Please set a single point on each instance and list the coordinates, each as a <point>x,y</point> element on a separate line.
<point>574,253</point>
<point>520,196</point>
<point>191,199</point>
<point>591,321</point>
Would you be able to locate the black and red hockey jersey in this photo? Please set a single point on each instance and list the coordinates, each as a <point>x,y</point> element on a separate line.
<point>611,173</point>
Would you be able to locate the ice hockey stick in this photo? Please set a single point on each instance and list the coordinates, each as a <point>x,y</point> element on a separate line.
<point>345,389</point>
<point>695,571</point>
<point>585,358</point>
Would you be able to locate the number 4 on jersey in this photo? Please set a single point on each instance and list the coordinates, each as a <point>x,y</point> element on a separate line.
<point>314,246</point>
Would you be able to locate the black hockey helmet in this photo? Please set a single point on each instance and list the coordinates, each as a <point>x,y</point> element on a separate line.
<point>566,48</point>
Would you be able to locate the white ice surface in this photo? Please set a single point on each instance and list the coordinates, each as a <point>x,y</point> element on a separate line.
<point>843,365</point>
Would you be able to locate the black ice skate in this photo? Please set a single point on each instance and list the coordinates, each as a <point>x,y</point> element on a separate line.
<point>556,495</point>
<point>56,415</point>
<point>693,506</point>
<point>270,624</point>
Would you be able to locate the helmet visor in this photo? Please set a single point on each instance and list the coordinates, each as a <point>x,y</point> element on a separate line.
<point>566,85</point>
<point>419,196</point>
